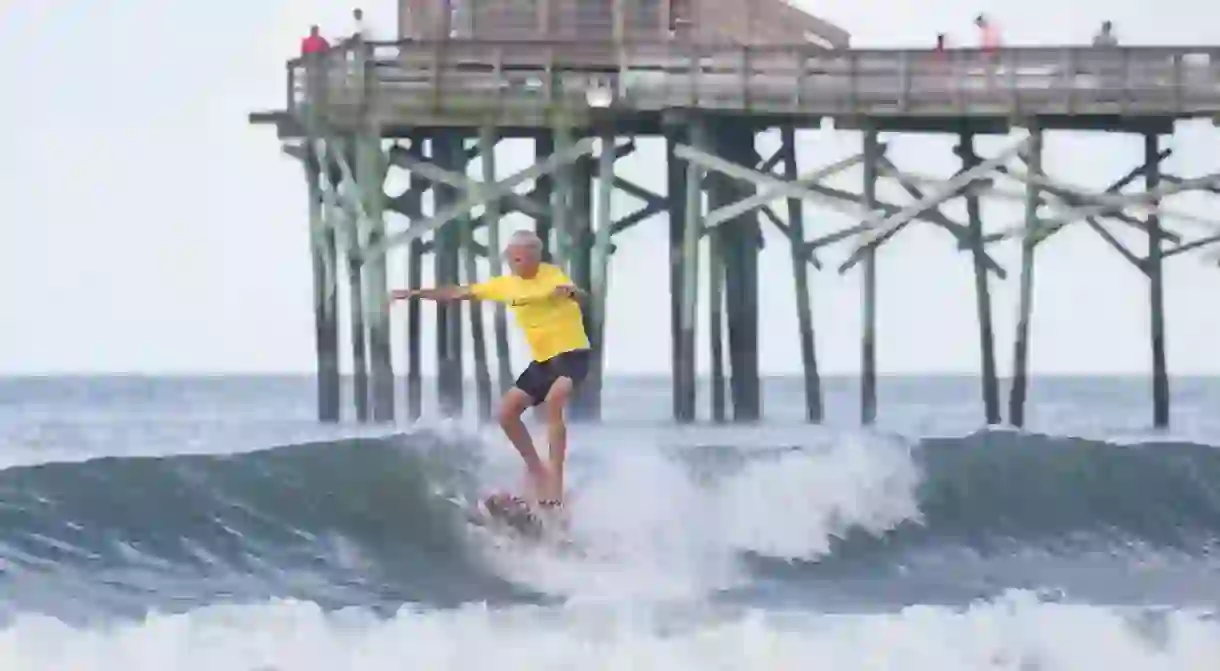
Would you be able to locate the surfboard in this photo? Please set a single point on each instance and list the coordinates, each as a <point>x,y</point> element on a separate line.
<point>507,514</point>
<point>513,512</point>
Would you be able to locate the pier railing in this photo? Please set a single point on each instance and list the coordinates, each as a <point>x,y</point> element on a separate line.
<point>527,82</point>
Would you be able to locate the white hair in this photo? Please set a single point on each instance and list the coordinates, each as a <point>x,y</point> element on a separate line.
<point>525,238</point>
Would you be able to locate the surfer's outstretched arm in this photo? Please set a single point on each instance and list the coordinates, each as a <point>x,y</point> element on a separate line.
<point>439,294</point>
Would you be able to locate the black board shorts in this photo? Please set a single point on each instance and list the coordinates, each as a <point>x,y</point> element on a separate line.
<point>537,378</point>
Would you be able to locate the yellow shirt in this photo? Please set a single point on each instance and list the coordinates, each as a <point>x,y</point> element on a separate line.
<point>552,324</point>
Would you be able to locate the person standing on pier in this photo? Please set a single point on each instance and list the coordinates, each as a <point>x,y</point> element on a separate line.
<point>544,302</point>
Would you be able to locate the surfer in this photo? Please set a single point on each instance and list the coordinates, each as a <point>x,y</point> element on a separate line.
<point>544,303</point>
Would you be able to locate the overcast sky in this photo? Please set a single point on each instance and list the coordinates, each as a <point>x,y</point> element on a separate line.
<point>147,227</point>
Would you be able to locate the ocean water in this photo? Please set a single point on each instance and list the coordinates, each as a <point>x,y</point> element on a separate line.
<point>210,523</point>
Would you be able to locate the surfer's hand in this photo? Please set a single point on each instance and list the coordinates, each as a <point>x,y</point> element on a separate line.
<point>400,294</point>
<point>565,291</point>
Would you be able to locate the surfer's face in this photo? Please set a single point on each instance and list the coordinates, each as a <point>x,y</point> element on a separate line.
<point>522,259</point>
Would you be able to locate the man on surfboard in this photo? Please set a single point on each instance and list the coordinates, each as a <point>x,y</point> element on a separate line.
<point>543,300</point>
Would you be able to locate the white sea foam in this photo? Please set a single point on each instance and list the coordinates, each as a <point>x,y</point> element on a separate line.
<point>647,527</point>
<point>1017,632</point>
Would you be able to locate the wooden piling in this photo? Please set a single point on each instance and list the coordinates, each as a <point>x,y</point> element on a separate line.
<point>690,272</point>
<point>448,153</point>
<point>491,219</point>
<point>415,383</point>
<point>482,375</point>
<point>358,333</point>
<point>370,174</point>
<point>544,188</point>
<point>740,238</point>
<point>600,272</point>
<point>325,298</point>
<point>715,302</point>
<point>412,208</point>
<point>1160,375</point>
<point>1029,241</point>
<point>580,262</point>
<point>676,201</point>
<point>982,290</point>
<point>800,273</point>
<point>868,340</point>
<point>561,200</point>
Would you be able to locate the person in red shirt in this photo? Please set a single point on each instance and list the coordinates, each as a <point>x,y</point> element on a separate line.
<point>314,43</point>
<point>312,49</point>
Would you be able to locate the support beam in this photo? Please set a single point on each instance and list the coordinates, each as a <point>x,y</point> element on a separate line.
<point>790,189</point>
<point>410,205</point>
<point>345,213</point>
<point>739,248</point>
<point>1104,204</point>
<point>936,216</point>
<point>636,217</point>
<point>816,193</point>
<point>1194,244</point>
<point>449,152</point>
<point>881,206</point>
<point>600,275</point>
<point>482,375</point>
<point>583,405</point>
<point>415,385</point>
<point>491,217</point>
<point>544,187</point>
<point>348,205</point>
<point>370,173</point>
<point>786,231</point>
<point>403,159</point>
<point>800,274</point>
<point>715,332</point>
<point>676,169</point>
<point>561,198</point>
<point>1156,286</point>
<point>450,212</point>
<point>982,292</point>
<point>1114,187</point>
<point>881,226</point>
<point>325,300</point>
<point>690,271</point>
<point>1029,241</point>
<point>868,340</point>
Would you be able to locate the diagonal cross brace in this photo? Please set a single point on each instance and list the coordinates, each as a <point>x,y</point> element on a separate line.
<point>880,225</point>
<point>732,169</point>
<point>485,194</point>
<point>432,172</point>
<point>934,215</point>
<point>1108,202</point>
<point>784,189</point>
<point>1115,187</point>
<point>1076,195</point>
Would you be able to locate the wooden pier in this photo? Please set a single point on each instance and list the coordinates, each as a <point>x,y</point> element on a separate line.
<point>432,106</point>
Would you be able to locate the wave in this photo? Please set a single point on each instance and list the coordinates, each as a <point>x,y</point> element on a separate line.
<point>1015,631</point>
<point>380,521</point>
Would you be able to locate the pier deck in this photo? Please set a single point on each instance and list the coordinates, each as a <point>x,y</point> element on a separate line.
<point>525,85</point>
